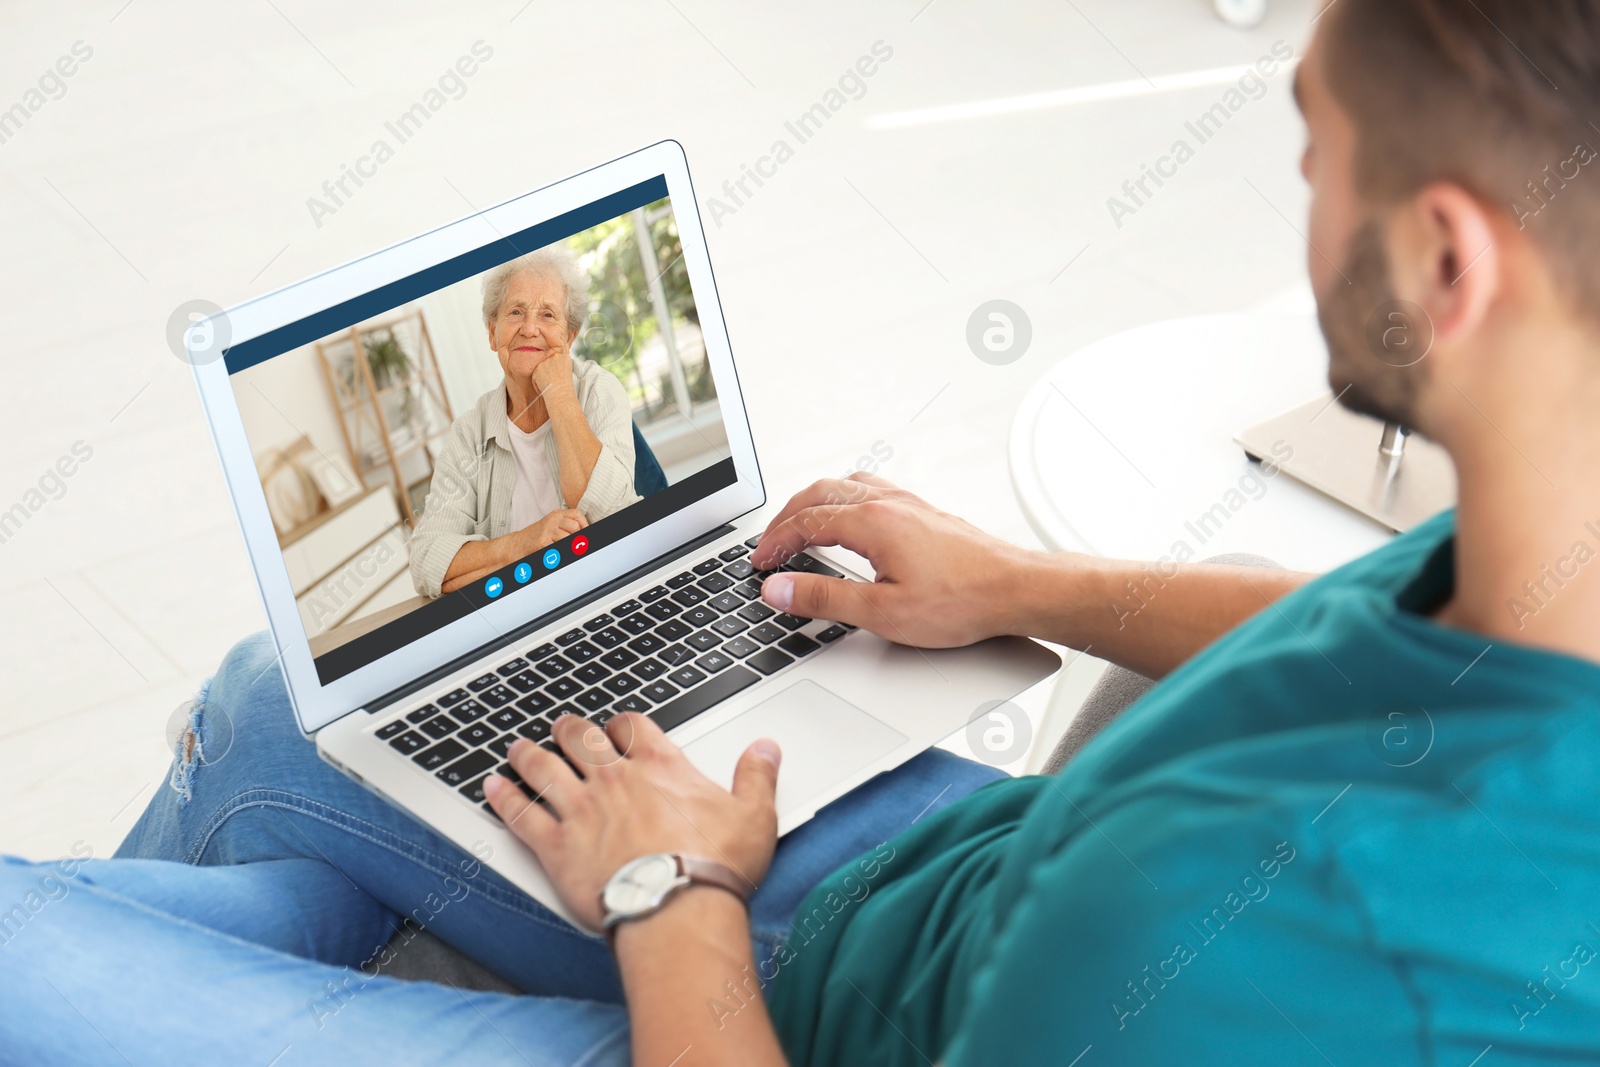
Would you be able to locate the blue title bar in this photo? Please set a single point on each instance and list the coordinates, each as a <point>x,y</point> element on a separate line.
<point>247,354</point>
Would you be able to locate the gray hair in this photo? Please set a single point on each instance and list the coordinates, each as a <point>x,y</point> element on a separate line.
<point>552,261</point>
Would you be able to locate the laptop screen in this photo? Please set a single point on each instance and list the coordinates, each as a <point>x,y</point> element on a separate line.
<point>452,438</point>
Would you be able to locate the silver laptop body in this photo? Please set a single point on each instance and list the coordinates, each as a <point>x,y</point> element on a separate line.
<point>656,611</point>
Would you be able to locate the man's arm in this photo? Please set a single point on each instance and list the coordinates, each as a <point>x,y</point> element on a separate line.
<point>1146,617</point>
<point>675,966</point>
<point>625,791</point>
<point>942,582</point>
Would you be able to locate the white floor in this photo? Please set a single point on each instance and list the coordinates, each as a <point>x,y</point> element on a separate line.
<point>178,163</point>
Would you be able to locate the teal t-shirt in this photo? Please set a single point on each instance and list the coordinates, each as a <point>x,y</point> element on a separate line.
<point>1341,834</point>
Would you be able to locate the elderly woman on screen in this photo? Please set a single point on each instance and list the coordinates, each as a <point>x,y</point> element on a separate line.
<point>541,455</point>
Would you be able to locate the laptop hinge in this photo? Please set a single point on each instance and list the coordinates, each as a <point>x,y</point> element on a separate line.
<point>569,608</point>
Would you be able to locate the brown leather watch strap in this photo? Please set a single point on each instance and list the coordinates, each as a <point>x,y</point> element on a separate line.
<point>702,871</point>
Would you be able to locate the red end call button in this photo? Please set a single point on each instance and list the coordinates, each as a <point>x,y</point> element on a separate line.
<point>580,545</point>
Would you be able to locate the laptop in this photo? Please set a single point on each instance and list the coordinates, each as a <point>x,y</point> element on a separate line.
<point>333,403</point>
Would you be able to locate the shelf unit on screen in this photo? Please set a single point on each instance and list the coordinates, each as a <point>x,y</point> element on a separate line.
<point>384,380</point>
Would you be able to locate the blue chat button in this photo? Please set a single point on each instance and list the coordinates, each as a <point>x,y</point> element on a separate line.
<point>494,586</point>
<point>552,559</point>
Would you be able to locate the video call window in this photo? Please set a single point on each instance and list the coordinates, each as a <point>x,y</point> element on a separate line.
<point>479,430</point>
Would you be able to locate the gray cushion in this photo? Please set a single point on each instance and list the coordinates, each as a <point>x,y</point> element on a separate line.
<point>1117,689</point>
<point>418,956</point>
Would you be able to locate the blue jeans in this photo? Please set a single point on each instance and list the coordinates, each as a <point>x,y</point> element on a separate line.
<point>242,918</point>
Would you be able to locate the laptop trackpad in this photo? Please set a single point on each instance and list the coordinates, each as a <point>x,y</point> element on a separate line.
<point>825,739</point>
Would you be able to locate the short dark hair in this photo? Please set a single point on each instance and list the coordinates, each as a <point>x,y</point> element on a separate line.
<point>1497,96</point>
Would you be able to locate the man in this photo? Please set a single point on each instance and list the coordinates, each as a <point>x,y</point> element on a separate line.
<point>1239,869</point>
<point>1234,870</point>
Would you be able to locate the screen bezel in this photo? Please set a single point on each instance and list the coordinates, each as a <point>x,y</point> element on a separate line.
<point>317,704</point>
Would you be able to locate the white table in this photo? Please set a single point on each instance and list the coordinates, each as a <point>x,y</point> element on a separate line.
<point>1125,448</point>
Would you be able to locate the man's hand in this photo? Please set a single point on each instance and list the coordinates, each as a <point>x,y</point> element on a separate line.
<point>552,528</point>
<point>942,582</point>
<point>634,793</point>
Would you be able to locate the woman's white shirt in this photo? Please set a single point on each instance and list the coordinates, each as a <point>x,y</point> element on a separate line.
<point>534,494</point>
<point>475,473</point>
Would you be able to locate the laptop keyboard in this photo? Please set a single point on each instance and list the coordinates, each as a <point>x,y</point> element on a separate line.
<point>677,649</point>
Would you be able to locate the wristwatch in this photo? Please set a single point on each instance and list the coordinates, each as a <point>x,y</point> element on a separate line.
<point>644,885</point>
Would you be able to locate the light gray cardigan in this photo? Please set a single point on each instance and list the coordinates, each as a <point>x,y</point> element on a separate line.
<point>469,498</point>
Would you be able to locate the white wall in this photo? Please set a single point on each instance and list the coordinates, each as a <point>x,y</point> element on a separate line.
<point>455,323</point>
<point>286,397</point>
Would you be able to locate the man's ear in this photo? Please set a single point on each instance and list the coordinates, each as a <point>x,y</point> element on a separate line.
<point>1443,257</point>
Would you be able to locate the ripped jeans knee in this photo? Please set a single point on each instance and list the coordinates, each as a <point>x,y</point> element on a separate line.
<point>198,735</point>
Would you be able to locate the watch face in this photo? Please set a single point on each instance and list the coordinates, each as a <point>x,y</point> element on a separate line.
<point>640,885</point>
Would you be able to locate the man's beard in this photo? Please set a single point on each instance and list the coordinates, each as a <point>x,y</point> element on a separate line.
<point>1365,375</point>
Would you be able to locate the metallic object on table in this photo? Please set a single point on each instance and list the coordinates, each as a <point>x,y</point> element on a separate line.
<point>1381,469</point>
